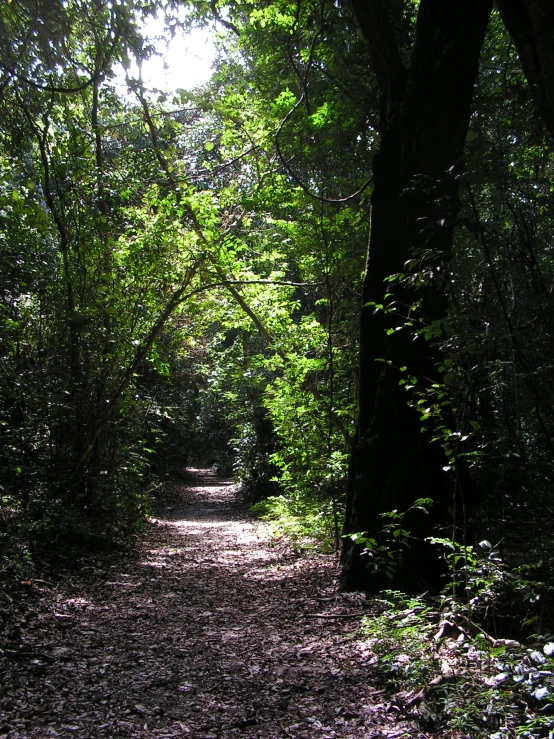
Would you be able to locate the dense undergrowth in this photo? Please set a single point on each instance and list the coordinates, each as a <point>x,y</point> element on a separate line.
<point>444,669</point>
<point>474,661</point>
<point>307,524</point>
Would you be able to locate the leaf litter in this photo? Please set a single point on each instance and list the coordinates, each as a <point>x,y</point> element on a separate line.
<point>212,629</point>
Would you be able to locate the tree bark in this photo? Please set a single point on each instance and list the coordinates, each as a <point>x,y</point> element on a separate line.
<point>414,203</point>
<point>530,23</point>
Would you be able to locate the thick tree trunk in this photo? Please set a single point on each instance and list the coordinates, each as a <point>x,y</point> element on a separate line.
<point>413,206</point>
<point>530,23</point>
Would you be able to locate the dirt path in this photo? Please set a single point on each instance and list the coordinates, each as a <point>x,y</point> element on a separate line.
<point>207,634</point>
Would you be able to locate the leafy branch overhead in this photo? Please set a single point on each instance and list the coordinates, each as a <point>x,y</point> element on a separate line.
<point>185,278</point>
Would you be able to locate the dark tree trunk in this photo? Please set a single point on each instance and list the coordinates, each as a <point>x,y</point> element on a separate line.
<point>530,23</point>
<point>425,118</point>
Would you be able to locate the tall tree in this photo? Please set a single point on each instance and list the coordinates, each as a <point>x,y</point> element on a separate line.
<point>425,111</point>
<point>530,23</point>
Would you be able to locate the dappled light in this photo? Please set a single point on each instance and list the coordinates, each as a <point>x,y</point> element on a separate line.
<point>306,246</point>
<point>209,632</point>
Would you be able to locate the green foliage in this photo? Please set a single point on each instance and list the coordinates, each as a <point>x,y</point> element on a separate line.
<point>455,678</point>
<point>97,258</point>
<point>385,552</point>
<point>399,636</point>
<point>482,587</point>
<point>307,524</point>
<point>180,278</point>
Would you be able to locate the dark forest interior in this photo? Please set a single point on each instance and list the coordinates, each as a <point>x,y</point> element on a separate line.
<point>324,280</point>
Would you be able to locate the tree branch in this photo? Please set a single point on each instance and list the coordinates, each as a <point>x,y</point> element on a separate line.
<point>375,26</point>
<point>217,15</point>
<point>294,176</point>
<point>530,23</point>
<point>219,271</point>
<point>48,88</point>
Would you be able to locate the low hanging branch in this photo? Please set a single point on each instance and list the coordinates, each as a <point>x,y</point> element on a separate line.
<point>223,279</point>
<point>226,24</point>
<point>292,173</point>
<point>106,57</point>
<point>178,297</point>
<point>23,80</point>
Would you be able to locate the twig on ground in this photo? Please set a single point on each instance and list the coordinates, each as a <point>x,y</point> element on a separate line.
<point>334,615</point>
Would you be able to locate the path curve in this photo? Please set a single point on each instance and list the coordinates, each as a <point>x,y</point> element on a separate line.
<point>208,634</point>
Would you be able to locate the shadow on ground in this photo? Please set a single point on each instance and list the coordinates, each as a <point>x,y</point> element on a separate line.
<point>213,631</point>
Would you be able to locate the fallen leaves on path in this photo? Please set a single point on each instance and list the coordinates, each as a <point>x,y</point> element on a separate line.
<point>212,631</point>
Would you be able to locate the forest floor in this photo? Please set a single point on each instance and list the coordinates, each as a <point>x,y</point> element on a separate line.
<point>209,630</point>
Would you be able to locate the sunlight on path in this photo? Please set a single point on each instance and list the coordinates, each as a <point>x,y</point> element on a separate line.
<point>208,634</point>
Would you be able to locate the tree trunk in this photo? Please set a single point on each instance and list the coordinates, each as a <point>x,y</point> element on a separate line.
<point>530,23</point>
<point>414,204</point>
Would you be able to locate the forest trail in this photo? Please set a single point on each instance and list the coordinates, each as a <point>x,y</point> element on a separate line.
<point>208,633</point>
